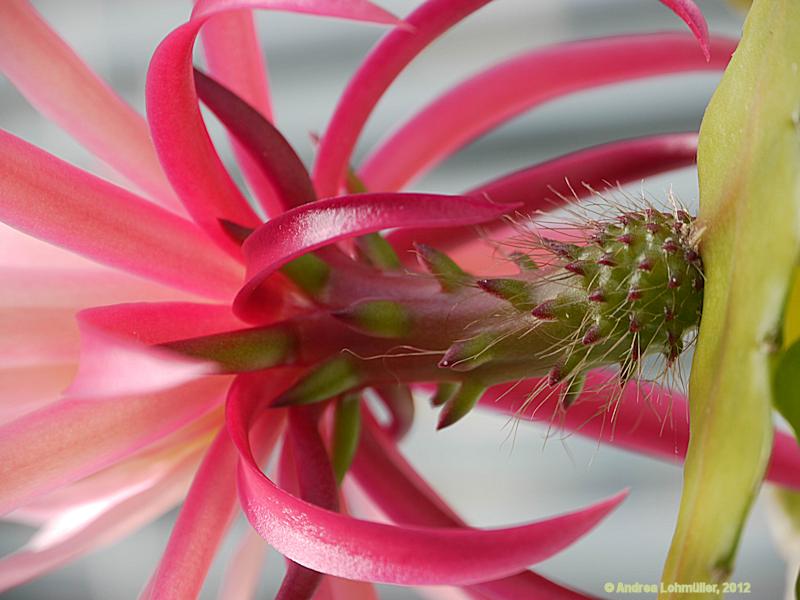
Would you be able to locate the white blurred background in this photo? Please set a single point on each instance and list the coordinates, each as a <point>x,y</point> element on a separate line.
<point>474,465</point>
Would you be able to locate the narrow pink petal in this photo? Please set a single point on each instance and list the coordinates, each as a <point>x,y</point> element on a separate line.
<point>109,522</point>
<point>234,58</point>
<point>320,223</point>
<point>243,572</point>
<point>693,17</point>
<point>271,153</point>
<point>180,136</point>
<point>55,80</point>
<point>376,73</point>
<point>407,499</point>
<point>71,439</point>
<point>492,97</point>
<point>543,186</point>
<point>204,519</point>
<point>336,544</point>
<point>52,200</point>
<point>646,419</point>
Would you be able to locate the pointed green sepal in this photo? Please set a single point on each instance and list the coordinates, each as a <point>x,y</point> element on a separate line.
<point>379,318</point>
<point>309,272</point>
<point>573,390</point>
<point>346,431</point>
<point>444,391</point>
<point>515,291</point>
<point>336,376</point>
<point>461,403</point>
<point>450,276</point>
<point>466,355</point>
<point>375,250</point>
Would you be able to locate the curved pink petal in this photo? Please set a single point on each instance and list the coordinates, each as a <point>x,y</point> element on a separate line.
<point>645,418</point>
<point>107,523</point>
<point>55,80</point>
<point>407,499</point>
<point>270,152</point>
<point>180,136</point>
<point>320,223</point>
<point>205,517</point>
<point>52,200</point>
<point>234,58</point>
<point>544,186</point>
<point>71,439</point>
<point>25,389</point>
<point>339,545</point>
<point>376,73</point>
<point>693,17</point>
<point>35,336</point>
<point>521,83</point>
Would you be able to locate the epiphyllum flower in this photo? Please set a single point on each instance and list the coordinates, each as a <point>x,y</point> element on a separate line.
<point>142,415</point>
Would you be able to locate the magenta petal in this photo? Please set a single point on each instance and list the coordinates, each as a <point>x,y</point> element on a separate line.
<point>63,88</point>
<point>56,202</point>
<point>333,543</point>
<point>542,186</point>
<point>693,17</point>
<point>267,148</point>
<point>324,222</point>
<point>376,73</point>
<point>646,419</point>
<point>180,136</point>
<point>403,496</point>
<point>521,83</point>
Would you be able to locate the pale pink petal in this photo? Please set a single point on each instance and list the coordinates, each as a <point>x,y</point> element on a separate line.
<point>243,572</point>
<point>693,17</point>
<point>180,136</point>
<point>407,499</point>
<point>99,525</point>
<point>25,389</point>
<point>376,73</point>
<point>544,186</point>
<point>204,519</point>
<point>333,543</point>
<point>20,250</point>
<point>646,418</point>
<point>56,202</point>
<point>71,439</point>
<point>34,336</point>
<point>492,97</point>
<point>320,223</point>
<point>234,58</point>
<point>55,80</point>
<point>110,367</point>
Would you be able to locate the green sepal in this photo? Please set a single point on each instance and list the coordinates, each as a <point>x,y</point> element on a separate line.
<point>449,275</point>
<point>309,272</point>
<point>379,318</point>
<point>444,391</point>
<point>346,431</point>
<point>786,386</point>
<point>462,402</point>
<point>336,376</point>
<point>514,291</point>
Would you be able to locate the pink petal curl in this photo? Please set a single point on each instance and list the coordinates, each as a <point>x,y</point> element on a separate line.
<point>521,83</point>
<point>72,439</point>
<point>376,73</point>
<point>407,499</point>
<point>544,186</point>
<point>333,543</point>
<point>324,222</point>
<point>693,17</point>
<point>63,88</point>
<point>56,202</point>
<point>234,58</point>
<point>647,419</point>
<point>180,136</point>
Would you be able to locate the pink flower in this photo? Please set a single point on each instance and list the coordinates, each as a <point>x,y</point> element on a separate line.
<point>180,318</point>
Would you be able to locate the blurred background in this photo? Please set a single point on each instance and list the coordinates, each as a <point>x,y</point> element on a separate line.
<point>491,474</point>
